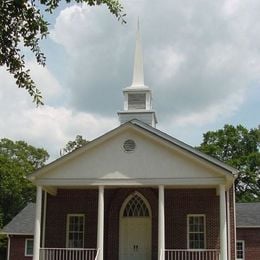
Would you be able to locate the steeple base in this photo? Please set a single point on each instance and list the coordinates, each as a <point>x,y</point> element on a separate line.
<point>147,117</point>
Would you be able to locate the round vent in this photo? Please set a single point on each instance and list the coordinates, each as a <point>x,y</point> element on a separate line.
<point>129,145</point>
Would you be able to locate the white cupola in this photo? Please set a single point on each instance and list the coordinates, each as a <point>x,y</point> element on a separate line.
<point>138,97</point>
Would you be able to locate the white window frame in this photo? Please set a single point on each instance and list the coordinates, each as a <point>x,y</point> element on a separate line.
<point>67,227</point>
<point>243,249</point>
<point>26,247</point>
<point>188,231</point>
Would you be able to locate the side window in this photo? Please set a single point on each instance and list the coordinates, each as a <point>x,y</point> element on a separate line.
<point>196,229</point>
<point>28,247</point>
<point>75,230</point>
<point>240,250</point>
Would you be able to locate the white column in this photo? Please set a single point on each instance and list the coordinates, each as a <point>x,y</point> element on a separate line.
<point>37,225</point>
<point>8,247</point>
<point>223,223</point>
<point>100,227</point>
<point>44,218</point>
<point>161,224</point>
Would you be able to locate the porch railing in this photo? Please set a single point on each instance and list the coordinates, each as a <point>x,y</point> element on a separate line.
<point>189,254</point>
<point>69,253</point>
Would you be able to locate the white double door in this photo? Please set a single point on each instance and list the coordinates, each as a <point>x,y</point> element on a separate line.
<point>135,238</point>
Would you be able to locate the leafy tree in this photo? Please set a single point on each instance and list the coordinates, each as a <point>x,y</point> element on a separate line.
<point>17,160</point>
<point>73,145</point>
<point>238,147</point>
<point>22,25</point>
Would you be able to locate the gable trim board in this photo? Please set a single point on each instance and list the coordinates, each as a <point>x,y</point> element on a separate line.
<point>226,174</point>
<point>248,226</point>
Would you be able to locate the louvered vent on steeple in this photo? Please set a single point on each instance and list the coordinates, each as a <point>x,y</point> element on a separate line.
<point>136,101</point>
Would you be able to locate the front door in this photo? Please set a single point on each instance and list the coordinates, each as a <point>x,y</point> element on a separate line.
<point>135,229</point>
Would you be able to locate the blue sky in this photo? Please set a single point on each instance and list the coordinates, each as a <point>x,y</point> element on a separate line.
<point>201,59</point>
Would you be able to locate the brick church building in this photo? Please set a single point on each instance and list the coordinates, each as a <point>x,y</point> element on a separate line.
<point>134,193</point>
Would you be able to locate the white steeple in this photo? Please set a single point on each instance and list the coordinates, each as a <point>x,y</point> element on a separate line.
<point>138,73</point>
<point>138,97</point>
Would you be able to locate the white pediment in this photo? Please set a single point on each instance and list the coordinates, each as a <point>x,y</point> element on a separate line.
<point>152,161</point>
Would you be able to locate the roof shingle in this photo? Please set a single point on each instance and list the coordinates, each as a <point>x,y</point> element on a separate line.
<point>22,223</point>
<point>248,214</point>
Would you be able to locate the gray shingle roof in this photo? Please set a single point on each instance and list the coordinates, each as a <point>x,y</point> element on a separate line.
<point>23,222</point>
<point>248,214</point>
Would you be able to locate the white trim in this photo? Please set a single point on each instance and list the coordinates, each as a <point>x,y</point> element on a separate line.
<point>16,234</point>
<point>228,224</point>
<point>8,247</point>
<point>130,197</point>
<point>37,225</point>
<point>100,223</point>
<point>243,249</point>
<point>188,230</point>
<point>122,218</point>
<point>134,181</point>
<point>248,227</point>
<point>155,134</point>
<point>26,246</point>
<point>67,227</point>
<point>223,223</point>
<point>234,216</point>
<point>161,224</point>
<point>44,218</point>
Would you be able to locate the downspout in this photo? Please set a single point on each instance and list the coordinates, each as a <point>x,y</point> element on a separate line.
<point>8,247</point>
<point>235,221</point>
<point>228,224</point>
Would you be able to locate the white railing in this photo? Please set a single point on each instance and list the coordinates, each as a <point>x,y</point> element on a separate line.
<point>189,254</point>
<point>68,254</point>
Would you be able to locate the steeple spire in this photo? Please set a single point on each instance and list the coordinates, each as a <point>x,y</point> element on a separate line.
<point>138,73</point>
<point>138,97</point>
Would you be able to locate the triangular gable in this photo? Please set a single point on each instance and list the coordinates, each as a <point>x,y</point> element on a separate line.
<point>158,158</point>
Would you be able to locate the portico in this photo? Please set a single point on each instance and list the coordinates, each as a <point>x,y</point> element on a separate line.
<point>154,220</point>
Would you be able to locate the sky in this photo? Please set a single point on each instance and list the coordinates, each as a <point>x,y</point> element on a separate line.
<point>201,60</point>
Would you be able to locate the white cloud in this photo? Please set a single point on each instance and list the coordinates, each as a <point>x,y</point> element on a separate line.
<point>230,7</point>
<point>201,58</point>
<point>166,62</point>
<point>47,126</point>
<point>56,126</point>
<point>225,108</point>
<point>45,81</point>
<point>195,55</point>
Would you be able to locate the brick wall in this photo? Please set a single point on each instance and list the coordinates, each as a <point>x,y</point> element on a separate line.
<point>17,248</point>
<point>71,202</point>
<point>178,203</point>
<point>251,236</point>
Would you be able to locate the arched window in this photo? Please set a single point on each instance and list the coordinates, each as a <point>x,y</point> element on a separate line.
<point>136,207</point>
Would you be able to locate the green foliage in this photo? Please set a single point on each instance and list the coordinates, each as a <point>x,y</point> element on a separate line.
<point>22,25</point>
<point>73,145</point>
<point>238,147</point>
<point>17,160</point>
<point>3,246</point>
